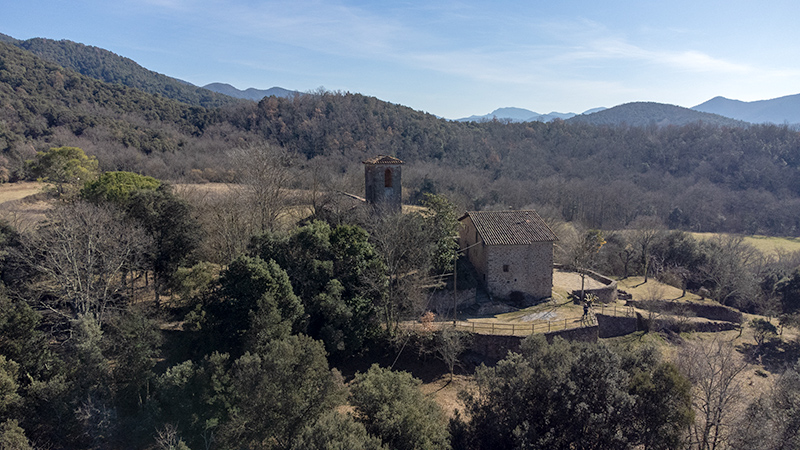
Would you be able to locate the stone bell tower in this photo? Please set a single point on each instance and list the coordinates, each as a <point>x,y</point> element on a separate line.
<point>382,177</point>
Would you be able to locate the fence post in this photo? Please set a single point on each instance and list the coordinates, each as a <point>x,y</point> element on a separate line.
<point>512,330</point>
<point>548,325</point>
<point>492,328</point>
<point>565,324</point>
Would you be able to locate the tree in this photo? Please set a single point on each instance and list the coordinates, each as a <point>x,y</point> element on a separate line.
<point>278,392</point>
<point>79,257</point>
<point>336,431</point>
<point>405,249</point>
<point>715,372</point>
<point>763,331</point>
<point>442,222</point>
<point>328,267</point>
<point>772,421</point>
<point>663,407</point>
<point>117,187</point>
<point>12,436</point>
<point>581,250</point>
<point>255,305</point>
<point>64,166</point>
<point>729,269</point>
<point>576,396</point>
<point>168,221</point>
<point>391,407</point>
<point>789,290</point>
<point>263,179</point>
<point>450,344</point>
<point>646,232</point>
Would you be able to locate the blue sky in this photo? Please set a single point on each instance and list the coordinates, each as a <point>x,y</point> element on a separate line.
<point>449,58</point>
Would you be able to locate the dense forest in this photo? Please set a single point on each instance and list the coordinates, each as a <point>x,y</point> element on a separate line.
<point>140,316</point>
<point>698,177</point>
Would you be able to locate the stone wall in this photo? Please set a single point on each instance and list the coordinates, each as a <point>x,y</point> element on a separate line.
<point>497,347</point>
<point>583,334</point>
<point>711,312</point>
<point>613,326</point>
<point>383,186</point>
<point>527,269</point>
<point>504,269</point>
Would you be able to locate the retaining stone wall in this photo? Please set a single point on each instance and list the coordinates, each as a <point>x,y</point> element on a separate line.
<point>711,312</point>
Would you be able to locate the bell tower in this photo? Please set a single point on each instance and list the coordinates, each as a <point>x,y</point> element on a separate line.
<point>382,182</point>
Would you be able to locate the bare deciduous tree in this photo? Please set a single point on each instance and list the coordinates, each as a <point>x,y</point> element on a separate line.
<point>263,179</point>
<point>81,255</point>
<point>717,397</point>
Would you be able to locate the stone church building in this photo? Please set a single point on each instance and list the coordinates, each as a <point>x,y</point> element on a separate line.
<point>382,183</point>
<point>512,251</point>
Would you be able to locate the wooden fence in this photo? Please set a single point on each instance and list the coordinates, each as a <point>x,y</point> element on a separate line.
<point>524,328</point>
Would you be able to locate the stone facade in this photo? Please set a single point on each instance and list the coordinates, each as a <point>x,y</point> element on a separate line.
<point>383,183</point>
<point>512,265</point>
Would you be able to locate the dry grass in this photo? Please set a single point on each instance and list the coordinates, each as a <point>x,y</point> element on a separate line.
<point>23,204</point>
<point>767,245</point>
<point>653,290</point>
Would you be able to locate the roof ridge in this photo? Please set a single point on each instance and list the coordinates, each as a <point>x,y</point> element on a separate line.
<point>383,159</point>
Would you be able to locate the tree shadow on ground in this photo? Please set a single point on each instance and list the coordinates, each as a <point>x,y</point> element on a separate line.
<point>426,367</point>
<point>775,355</point>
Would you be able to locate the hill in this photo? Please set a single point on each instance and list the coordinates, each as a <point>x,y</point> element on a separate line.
<point>642,114</point>
<point>111,68</point>
<point>778,110</point>
<point>250,93</point>
<point>698,176</point>
<point>517,115</point>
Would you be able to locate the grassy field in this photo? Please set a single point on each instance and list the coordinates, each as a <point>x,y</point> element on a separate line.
<point>23,204</point>
<point>768,245</point>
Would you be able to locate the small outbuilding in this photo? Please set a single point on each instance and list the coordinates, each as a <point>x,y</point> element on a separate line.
<point>512,251</point>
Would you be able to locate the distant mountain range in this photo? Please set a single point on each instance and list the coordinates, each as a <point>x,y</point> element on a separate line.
<point>778,110</point>
<point>250,93</point>
<point>522,115</point>
<point>718,110</point>
<point>111,68</point>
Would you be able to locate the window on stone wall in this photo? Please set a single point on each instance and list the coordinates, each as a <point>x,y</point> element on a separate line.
<point>387,178</point>
<point>505,267</point>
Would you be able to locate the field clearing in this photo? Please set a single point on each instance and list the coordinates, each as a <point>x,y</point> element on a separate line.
<point>23,204</point>
<point>767,245</point>
<point>654,290</point>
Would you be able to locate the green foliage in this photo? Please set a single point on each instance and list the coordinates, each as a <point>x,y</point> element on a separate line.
<point>572,395</point>
<point>135,340</point>
<point>336,431</point>
<point>663,407</point>
<point>196,397</point>
<point>328,268</point>
<point>117,187</point>
<point>9,398</point>
<point>255,305</point>
<point>789,290</point>
<point>278,392</point>
<point>20,338</point>
<point>441,219</point>
<point>763,331</point>
<point>64,166</point>
<point>108,67</point>
<point>391,406</point>
<point>12,437</point>
<point>168,220</point>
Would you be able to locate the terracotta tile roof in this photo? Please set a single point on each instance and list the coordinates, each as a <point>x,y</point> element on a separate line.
<point>510,227</point>
<point>383,159</point>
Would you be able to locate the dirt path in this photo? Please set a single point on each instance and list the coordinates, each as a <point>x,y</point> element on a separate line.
<point>571,281</point>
